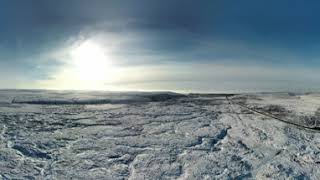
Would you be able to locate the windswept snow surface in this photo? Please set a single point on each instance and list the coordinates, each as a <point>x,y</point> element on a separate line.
<point>111,135</point>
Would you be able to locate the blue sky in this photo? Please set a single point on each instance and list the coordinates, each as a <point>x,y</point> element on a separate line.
<point>180,45</point>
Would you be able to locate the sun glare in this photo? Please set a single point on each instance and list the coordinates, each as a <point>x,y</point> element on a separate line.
<point>89,67</point>
<point>90,61</point>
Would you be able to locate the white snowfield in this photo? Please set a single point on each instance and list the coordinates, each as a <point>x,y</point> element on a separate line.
<point>111,135</point>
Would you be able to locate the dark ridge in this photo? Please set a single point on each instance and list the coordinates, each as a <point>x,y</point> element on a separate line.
<point>133,99</point>
<point>211,95</point>
<point>163,97</point>
<point>23,90</point>
<point>75,102</point>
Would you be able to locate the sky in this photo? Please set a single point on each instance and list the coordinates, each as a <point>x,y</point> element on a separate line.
<point>175,45</point>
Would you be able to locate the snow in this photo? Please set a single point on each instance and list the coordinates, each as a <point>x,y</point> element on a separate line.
<point>137,135</point>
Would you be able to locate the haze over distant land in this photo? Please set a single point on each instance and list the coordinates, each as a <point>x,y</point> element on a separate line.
<point>176,45</point>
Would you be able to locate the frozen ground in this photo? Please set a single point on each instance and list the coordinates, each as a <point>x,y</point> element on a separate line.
<point>105,135</point>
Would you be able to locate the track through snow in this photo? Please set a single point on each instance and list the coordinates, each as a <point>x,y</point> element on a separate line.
<point>156,136</point>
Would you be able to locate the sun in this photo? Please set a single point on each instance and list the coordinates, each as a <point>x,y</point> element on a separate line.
<point>90,62</point>
<point>87,66</point>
